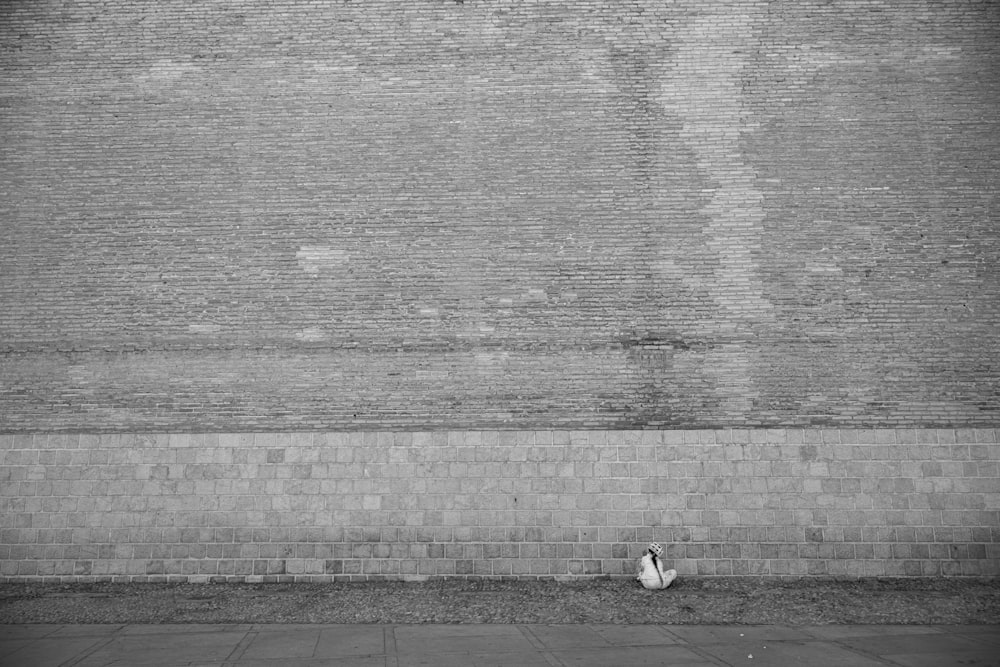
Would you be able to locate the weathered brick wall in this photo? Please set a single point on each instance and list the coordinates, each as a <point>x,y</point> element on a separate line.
<point>445,259</point>
<point>335,506</point>
<point>234,216</point>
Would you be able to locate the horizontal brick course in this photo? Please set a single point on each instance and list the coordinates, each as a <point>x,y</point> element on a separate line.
<point>505,510</point>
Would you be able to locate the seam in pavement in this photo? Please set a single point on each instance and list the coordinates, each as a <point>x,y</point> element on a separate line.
<point>552,658</point>
<point>389,646</point>
<point>232,660</point>
<point>537,644</point>
<point>86,653</point>
<point>840,643</point>
<point>809,638</point>
<point>866,654</point>
<point>714,659</point>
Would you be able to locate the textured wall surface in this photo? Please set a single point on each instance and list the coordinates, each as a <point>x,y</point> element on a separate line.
<point>335,506</point>
<point>498,287</point>
<point>282,215</point>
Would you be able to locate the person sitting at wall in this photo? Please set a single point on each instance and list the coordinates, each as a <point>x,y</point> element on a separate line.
<point>651,573</point>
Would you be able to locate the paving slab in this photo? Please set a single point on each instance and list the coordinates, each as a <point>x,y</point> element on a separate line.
<point>985,633</point>
<point>634,635</point>
<point>165,648</point>
<point>101,630</point>
<point>984,658</point>
<point>440,645</point>
<point>45,651</point>
<point>788,654</point>
<point>289,627</point>
<point>302,645</point>
<point>470,639</point>
<point>489,659</point>
<point>289,644</point>
<point>939,643</point>
<point>845,631</point>
<point>170,628</point>
<point>567,637</point>
<point>351,641</point>
<point>10,632</point>
<point>632,655</point>
<point>739,634</point>
<point>350,661</point>
<point>931,649</point>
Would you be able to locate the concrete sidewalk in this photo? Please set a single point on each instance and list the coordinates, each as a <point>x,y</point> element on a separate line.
<point>481,645</point>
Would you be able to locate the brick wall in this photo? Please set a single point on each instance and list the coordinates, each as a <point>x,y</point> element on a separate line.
<point>334,506</point>
<point>254,216</point>
<point>498,287</point>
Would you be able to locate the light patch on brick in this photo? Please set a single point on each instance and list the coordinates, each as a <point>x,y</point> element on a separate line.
<point>327,68</point>
<point>314,259</point>
<point>536,294</point>
<point>492,358</point>
<point>166,70</point>
<point>311,334</point>
<point>823,267</point>
<point>204,328</point>
<point>593,76</point>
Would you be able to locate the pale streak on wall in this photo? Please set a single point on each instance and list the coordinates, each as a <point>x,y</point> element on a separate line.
<point>703,85</point>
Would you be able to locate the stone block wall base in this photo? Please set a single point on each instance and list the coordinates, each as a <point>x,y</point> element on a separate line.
<point>273,507</point>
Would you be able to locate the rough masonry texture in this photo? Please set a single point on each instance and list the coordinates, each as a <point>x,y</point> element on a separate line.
<point>351,215</point>
<point>336,506</point>
<point>499,287</point>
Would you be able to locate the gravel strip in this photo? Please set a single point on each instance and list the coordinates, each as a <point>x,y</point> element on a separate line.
<point>615,601</point>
